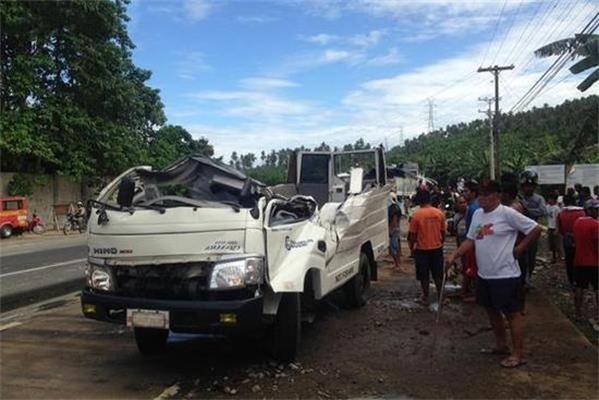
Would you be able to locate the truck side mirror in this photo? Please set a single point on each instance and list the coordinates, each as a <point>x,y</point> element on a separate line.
<point>126,192</point>
<point>355,180</point>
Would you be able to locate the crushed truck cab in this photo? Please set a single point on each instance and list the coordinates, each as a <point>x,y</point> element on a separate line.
<point>200,247</point>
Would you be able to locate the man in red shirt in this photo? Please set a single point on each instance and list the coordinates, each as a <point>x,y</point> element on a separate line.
<point>564,225</point>
<point>586,259</point>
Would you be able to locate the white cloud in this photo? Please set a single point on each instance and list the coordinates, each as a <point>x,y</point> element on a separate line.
<point>360,40</point>
<point>182,10</point>
<point>367,40</point>
<point>313,59</point>
<point>375,109</point>
<point>455,85</point>
<point>392,57</point>
<point>262,83</point>
<point>191,65</point>
<point>197,10</point>
<point>255,19</point>
<point>254,105</point>
<point>334,55</point>
<point>322,39</point>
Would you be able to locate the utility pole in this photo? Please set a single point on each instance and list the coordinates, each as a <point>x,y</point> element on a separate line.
<point>496,70</point>
<point>489,113</point>
<point>431,116</point>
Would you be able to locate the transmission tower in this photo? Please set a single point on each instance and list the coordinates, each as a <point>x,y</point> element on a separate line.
<point>431,115</point>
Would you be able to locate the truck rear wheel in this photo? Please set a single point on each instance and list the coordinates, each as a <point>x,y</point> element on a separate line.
<point>355,288</point>
<point>150,341</point>
<point>286,330</point>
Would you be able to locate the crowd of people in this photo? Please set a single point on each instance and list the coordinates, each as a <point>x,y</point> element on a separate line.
<point>497,228</point>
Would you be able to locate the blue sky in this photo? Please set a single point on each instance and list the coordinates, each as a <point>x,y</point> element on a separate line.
<point>254,76</point>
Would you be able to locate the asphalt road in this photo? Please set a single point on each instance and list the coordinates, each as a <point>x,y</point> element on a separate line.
<point>33,269</point>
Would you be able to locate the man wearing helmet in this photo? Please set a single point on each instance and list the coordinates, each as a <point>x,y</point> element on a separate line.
<point>534,208</point>
<point>80,213</point>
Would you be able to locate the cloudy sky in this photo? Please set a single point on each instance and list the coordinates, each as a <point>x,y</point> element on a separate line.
<point>263,75</point>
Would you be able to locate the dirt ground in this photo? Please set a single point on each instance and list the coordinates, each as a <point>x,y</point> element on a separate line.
<point>390,348</point>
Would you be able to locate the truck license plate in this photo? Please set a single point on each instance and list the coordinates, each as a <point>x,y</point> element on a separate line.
<point>139,318</point>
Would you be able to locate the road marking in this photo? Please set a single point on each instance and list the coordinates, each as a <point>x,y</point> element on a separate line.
<point>10,325</point>
<point>60,264</point>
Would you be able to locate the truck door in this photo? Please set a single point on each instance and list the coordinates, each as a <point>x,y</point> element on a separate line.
<point>292,245</point>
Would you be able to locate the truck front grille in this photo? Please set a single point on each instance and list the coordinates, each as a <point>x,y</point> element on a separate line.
<point>184,281</point>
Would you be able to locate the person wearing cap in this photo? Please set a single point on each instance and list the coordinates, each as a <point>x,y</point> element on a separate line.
<point>586,257</point>
<point>426,238</point>
<point>493,234</point>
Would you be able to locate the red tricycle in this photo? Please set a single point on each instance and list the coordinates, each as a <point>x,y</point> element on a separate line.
<point>14,217</point>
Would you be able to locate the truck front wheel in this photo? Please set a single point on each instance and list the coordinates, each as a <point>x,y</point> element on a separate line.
<point>150,341</point>
<point>355,288</point>
<point>285,333</point>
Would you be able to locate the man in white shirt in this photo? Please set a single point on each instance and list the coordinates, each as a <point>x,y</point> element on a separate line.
<point>493,233</point>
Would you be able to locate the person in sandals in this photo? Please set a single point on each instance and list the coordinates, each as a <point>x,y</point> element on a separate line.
<point>493,234</point>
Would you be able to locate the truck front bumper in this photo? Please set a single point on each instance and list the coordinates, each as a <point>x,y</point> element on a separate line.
<point>211,317</point>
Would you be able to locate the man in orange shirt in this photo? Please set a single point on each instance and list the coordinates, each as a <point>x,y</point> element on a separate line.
<point>426,237</point>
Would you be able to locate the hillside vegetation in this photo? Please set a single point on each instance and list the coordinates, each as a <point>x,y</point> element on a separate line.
<point>564,134</point>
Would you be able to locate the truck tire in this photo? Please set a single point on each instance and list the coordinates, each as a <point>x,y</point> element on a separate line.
<point>150,341</point>
<point>286,331</point>
<point>355,288</point>
<point>6,231</point>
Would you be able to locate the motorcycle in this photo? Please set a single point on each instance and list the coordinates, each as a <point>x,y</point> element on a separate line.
<point>74,223</point>
<point>36,225</point>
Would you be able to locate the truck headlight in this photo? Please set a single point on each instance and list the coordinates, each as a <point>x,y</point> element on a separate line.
<point>99,277</point>
<point>237,273</point>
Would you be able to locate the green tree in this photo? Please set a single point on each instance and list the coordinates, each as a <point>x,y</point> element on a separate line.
<point>585,46</point>
<point>172,142</point>
<point>72,100</point>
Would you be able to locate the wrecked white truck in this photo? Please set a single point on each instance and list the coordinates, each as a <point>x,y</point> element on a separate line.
<point>200,248</point>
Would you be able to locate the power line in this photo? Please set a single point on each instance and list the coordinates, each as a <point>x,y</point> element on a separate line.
<point>526,29</point>
<point>557,65</point>
<point>447,87</point>
<point>542,88</point>
<point>494,32</point>
<point>507,33</point>
<point>537,28</point>
<point>548,38</point>
<point>507,86</point>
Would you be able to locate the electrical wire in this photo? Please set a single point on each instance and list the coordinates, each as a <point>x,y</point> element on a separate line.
<point>550,38</point>
<point>507,33</point>
<point>494,32</point>
<point>543,87</point>
<point>528,24</point>
<point>550,73</point>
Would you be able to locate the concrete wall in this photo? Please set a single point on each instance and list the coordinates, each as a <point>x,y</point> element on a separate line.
<point>57,190</point>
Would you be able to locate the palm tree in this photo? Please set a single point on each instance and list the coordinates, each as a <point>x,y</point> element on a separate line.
<point>582,45</point>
